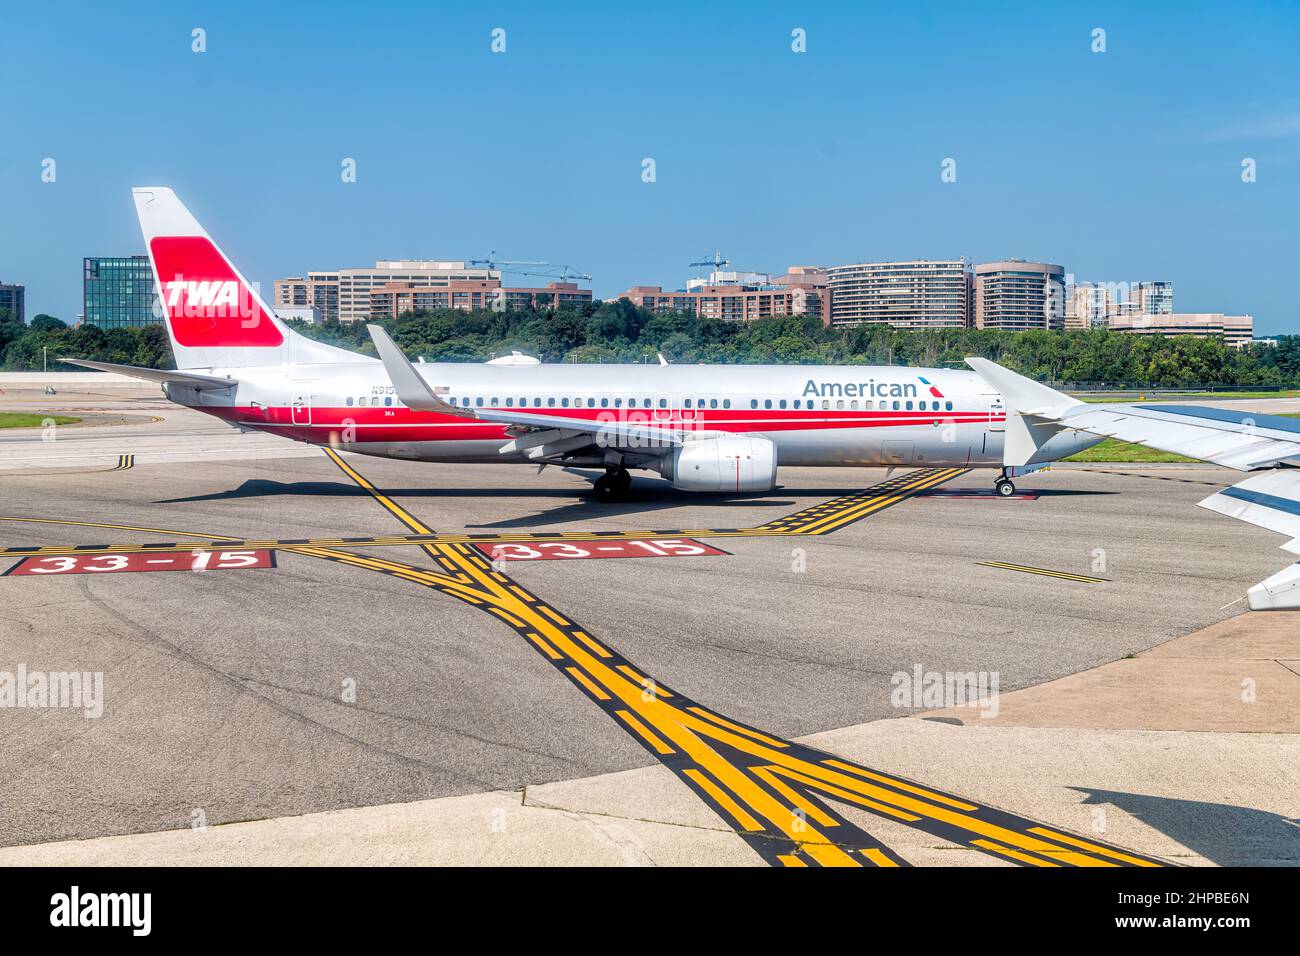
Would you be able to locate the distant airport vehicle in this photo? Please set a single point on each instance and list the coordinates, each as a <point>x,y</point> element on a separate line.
<point>1246,441</point>
<point>704,428</point>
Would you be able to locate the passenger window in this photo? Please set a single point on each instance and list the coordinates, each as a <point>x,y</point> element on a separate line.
<point>826,403</point>
<point>896,405</point>
<point>537,403</point>
<point>349,401</point>
<point>564,403</point>
<point>781,403</point>
<point>948,405</point>
<point>550,402</point>
<point>909,405</point>
<point>767,403</point>
<point>362,401</point>
<point>479,401</point>
<point>496,402</point>
<point>868,405</point>
<point>840,403</point>
<point>388,400</point>
<point>604,403</point>
<point>854,404</point>
<point>713,403</point>
<point>591,403</point>
<point>726,403</point>
<point>663,403</point>
<point>686,403</point>
<point>753,403</point>
<point>510,403</point>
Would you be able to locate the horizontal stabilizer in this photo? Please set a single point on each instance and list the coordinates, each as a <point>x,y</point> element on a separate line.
<point>162,376</point>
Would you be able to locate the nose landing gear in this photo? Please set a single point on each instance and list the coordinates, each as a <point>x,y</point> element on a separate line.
<point>1004,486</point>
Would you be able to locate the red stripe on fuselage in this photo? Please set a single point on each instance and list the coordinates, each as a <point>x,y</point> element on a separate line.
<point>398,423</point>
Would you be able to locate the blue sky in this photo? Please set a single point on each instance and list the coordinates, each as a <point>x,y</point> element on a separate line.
<point>1121,166</point>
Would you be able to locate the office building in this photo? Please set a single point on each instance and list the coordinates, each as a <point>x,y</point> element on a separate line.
<point>118,292</point>
<point>12,300</point>
<point>1235,330</point>
<point>345,294</point>
<point>916,294</point>
<point>1017,296</point>
<point>400,298</point>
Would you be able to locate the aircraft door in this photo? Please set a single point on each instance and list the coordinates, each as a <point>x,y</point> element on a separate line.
<point>997,414</point>
<point>300,403</point>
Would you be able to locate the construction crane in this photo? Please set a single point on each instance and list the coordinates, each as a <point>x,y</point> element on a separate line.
<point>544,270</point>
<point>717,262</point>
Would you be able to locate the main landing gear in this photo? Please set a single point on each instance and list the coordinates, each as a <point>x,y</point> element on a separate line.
<point>1004,487</point>
<point>612,485</point>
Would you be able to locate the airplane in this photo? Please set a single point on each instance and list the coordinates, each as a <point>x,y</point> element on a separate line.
<point>703,428</point>
<point>1267,446</point>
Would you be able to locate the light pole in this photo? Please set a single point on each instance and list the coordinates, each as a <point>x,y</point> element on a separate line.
<point>45,358</point>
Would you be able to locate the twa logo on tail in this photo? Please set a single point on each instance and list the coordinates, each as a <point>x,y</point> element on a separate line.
<point>206,302</point>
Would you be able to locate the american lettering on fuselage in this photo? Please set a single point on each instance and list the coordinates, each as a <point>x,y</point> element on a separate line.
<point>868,389</point>
<point>714,428</point>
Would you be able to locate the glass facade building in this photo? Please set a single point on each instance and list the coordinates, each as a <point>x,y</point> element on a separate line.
<point>118,292</point>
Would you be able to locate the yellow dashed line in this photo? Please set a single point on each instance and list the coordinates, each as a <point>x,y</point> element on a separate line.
<point>644,732</point>
<point>1046,572</point>
<point>724,800</point>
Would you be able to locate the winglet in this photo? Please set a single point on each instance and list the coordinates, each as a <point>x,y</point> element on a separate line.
<point>412,390</point>
<point>1032,411</point>
<point>1023,395</point>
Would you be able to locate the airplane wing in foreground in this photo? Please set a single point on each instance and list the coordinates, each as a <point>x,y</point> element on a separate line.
<point>538,436</point>
<point>1268,445</point>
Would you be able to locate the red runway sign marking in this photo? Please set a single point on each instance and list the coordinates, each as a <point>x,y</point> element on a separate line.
<point>596,548</point>
<point>153,561</point>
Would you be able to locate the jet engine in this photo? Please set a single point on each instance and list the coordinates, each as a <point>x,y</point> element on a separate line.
<point>728,463</point>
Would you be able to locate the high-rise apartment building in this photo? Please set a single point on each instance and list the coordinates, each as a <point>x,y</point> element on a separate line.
<point>1089,306</point>
<point>1152,298</point>
<point>318,290</point>
<point>1017,296</point>
<point>917,294</point>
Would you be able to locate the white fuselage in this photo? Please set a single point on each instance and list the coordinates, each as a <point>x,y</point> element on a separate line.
<point>815,415</point>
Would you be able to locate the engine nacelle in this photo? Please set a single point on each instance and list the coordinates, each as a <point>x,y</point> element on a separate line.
<point>729,463</point>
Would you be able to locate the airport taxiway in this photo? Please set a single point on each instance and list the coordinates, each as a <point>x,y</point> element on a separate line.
<point>227,692</point>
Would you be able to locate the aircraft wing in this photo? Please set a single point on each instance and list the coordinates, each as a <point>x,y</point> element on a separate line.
<point>1268,445</point>
<point>537,435</point>
<point>162,376</point>
<point>1241,440</point>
